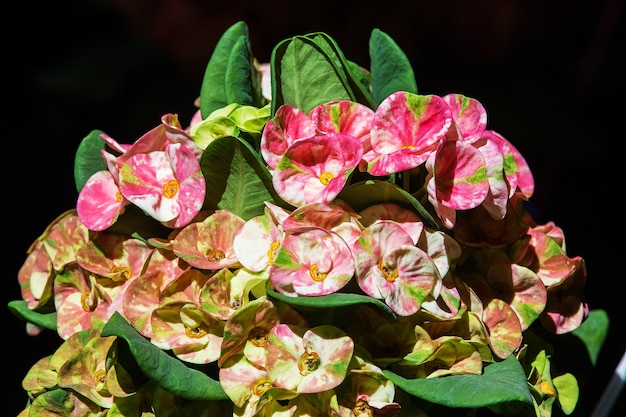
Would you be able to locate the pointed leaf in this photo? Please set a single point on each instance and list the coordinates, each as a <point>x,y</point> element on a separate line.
<point>332,301</point>
<point>350,72</point>
<point>236,179</point>
<point>500,382</point>
<point>308,76</point>
<point>212,93</point>
<point>166,371</point>
<point>45,320</point>
<point>238,78</point>
<point>593,332</point>
<point>88,159</point>
<point>391,70</point>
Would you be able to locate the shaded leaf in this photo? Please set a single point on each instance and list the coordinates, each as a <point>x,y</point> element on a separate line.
<point>332,301</point>
<point>238,78</point>
<point>391,70</point>
<point>500,382</point>
<point>236,179</point>
<point>593,332</point>
<point>166,371</point>
<point>213,91</point>
<point>307,75</point>
<point>88,159</point>
<point>351,74</point>
<point>45,320</point>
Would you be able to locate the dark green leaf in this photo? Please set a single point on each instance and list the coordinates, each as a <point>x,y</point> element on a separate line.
<point>88,159</point>
<point>237,79</point>
<point>212,93</point>
<point>593,332</point>
<point>390,68</point>
<point>332,301</point>
<point>308,76</point>
<point>352,74</point>
<point>45,320</point>
<point>236,179</point>
<point>167,372</point>
<point>500,382</point>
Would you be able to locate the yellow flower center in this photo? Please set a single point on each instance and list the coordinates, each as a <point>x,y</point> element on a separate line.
<point>362,409</point>
<point>215,255</point>
<point>390,273</point>
<point>195,333</point>
<point>309,361</point>
<point>122,272</point>
<point>261,386</point>
<point>271,253</point>
<point>170,188</point>
<point>88,301</point>
<point>257,336</point>
<point>316,274</point>
<point>326,178</point>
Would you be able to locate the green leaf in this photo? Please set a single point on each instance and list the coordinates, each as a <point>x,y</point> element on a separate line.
<point>567,392</point>
<point>213,91</point>
<point>391,70</point>
<point>593,332</point>
<point>368,193</point>
<point>238,86</point>
<point>88,159</point>
<point>307,75</point>
<point>236,179</point>
<point>500,382</point>
<point>167,372</point>
<point>352,75</point>
<point>45,320</point>
<point>332,301</point>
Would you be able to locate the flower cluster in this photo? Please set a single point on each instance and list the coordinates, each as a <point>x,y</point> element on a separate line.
<point>319,239</point>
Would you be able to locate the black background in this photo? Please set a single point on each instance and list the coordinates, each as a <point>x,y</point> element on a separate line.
<point>550,74</point>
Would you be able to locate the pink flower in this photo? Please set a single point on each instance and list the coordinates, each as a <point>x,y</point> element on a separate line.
<point>209,244</point>
<point>312,262</point>
<point>289,125</point>
<point>315,170</point>
<point>168,185</point>
<point>406,129</point>
<point>390,267</point>
<point>308,361</point>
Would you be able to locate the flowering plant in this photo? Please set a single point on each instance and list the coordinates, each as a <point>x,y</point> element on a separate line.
<point>319,239</point>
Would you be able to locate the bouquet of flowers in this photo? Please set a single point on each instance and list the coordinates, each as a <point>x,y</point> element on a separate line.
<point>319,239</point>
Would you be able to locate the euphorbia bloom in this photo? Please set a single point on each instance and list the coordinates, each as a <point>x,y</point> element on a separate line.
<point>256,242</point>
<point>457,179</point>
<point>312,262</point>
<point>168,185</point>
<point>308,360</point>
<point>180,323</point>
<point>315,170</point>
<point>246,331</point>
<point>81,302</point>
<point>209,244</point>
<point>390,267</point>
<point>406,129</point>
<point>288,126</point>
<point>343,116</point>
<point>566,307</point>
<point>100,202</point>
